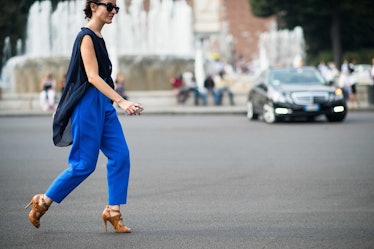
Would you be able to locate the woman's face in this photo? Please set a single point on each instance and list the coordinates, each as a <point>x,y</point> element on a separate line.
<point>101,10</point>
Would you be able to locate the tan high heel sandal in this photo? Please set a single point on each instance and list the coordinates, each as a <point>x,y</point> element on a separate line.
<point>115,220</point>
<point>39,207</point>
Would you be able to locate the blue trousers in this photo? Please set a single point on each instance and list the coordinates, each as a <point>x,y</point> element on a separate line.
<point>95,126</point>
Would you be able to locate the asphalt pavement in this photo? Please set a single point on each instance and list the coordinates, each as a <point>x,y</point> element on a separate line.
<point>201,181</point>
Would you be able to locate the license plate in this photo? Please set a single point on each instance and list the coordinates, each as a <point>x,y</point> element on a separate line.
<point>311,108</point>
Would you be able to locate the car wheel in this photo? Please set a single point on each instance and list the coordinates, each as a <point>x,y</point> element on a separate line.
<point>336,117</point>
<point>269,115</point>
<point>251,115</point>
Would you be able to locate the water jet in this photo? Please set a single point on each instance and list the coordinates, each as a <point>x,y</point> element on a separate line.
<point>146,47</point>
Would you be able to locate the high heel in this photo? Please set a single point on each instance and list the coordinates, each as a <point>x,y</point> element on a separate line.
<point>115,220</point>
<point>39,207</point>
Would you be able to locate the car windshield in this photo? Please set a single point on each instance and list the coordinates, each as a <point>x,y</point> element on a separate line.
<point>296,76</point>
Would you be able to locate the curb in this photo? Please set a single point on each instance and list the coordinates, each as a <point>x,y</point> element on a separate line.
<point>167,110</point>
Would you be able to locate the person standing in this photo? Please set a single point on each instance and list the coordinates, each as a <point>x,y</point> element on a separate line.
<point>353,83</point>
<point>324,69</point>
<point>371,73</point>
<point>334,73</point>
<point>344,80</point>
<point>372,70</point>
<point>86,119</point>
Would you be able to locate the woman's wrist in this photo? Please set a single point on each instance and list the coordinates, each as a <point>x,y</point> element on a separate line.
<point>119,100</point>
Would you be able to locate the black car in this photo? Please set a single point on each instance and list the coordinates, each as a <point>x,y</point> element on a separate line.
<point>284,93</point>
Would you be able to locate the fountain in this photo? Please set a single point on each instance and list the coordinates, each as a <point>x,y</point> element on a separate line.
<point>146,47</point>
<point>281,48</point>
<point>6,50</point>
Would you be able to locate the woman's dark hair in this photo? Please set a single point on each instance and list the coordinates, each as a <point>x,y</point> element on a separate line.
<point>87,10</point>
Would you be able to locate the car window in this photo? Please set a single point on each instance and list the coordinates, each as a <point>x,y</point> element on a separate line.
<point>296,76</point>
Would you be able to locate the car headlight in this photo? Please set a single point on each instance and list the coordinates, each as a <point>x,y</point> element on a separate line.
<point>279,97</point>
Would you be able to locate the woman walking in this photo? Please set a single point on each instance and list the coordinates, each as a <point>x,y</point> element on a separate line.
<point>86,119</point>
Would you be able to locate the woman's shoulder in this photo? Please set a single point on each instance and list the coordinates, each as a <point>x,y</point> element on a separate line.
<point>85,31</point>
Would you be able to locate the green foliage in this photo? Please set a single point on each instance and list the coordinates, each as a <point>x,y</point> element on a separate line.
<point>315,17</point>
<point>13,21</point>
<point>263,8</point>
<point>13,18</point>
<point>357,21</point>
<point>362,56</point>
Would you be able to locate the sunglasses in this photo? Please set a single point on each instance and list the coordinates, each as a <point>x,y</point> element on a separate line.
<point>109,6</point>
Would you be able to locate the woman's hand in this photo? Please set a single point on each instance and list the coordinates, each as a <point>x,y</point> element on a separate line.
<point>131,108</point>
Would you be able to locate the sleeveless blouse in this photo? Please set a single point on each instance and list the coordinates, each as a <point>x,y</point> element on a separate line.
<point>77,85</point>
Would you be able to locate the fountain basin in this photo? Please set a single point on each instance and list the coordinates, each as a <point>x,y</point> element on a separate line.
<point>141,73</point>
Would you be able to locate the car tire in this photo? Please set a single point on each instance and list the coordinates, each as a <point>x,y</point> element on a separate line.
<point>336,117</point>
<point>251,115</point>
<point>268,114</point>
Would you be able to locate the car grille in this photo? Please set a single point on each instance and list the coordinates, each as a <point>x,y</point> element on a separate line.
<point>307,98</point>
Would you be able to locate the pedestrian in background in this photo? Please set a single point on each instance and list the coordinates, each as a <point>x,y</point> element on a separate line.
<point>210,89</point>
<point>353,83</point>
<point>119,86</point>
<point>344,80</point>
<point>87,106</point>
<point>324,69</point>
<point>62,83</point>
<point>189,86</point>
<point>334,73</point>
<point>177,85</point>
<point>223,85</point>
<point>48,93</point>
<point>371,72</point>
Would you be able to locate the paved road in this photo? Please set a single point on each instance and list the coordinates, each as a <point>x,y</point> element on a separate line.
<point>205,181</point>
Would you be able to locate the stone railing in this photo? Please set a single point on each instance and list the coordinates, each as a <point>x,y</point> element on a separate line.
<point>31,101</point>
<point>156,99</point>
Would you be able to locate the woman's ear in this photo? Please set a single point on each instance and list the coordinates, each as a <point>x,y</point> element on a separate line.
<point>93,7</point>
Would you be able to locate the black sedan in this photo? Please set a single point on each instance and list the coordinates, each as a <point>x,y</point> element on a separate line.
<point>285,93</point>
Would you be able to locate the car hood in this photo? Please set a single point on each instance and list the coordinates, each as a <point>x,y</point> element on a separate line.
<point>305,88</point>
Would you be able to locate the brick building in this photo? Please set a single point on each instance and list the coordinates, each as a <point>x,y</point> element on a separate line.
<point>233,19</point>
<point>233,15</point>
<point>244,27</point>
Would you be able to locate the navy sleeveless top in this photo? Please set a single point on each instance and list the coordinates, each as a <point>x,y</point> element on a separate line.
<point>77,85</point>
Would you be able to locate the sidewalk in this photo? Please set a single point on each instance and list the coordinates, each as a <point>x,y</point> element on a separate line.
<point>154,102</point>
<point>168,110</point>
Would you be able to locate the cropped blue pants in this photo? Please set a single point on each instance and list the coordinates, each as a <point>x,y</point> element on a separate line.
<point>95,126</point>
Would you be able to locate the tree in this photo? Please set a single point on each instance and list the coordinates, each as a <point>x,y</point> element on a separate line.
<point>13,21</point>
<point>13,17</point>
<point>335,25</point>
